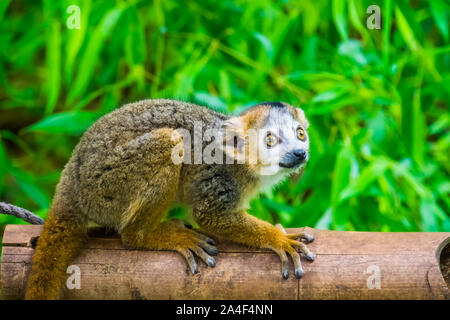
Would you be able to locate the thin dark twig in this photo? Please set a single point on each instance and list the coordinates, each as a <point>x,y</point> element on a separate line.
<point>21,213</point>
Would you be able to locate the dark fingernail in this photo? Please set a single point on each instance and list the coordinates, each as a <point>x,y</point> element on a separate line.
<point>298,273</point>
<point>211,262</point>
<point>310,256</point>
<point>213,251</point>
<point>187,225</point>
<point>211,241</point>
<point>285,274</point>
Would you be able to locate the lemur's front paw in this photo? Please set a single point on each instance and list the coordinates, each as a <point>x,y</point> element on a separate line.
<point>189,242</point>
<point>282,243</point>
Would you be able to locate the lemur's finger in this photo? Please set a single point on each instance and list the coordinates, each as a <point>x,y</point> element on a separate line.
<point>297,263</point>
<point>308,237</point>
<point>204,256</point>
<point>212,250</point>
<point>201,235</point>
<point>187,254</point>
<point>299,235</point>
<point>284,263</point>
<point>303,249</point>
<point>302,235</point>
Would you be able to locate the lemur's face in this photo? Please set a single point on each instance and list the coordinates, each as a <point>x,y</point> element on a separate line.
<point>271,137</point>
<point>283,143</point>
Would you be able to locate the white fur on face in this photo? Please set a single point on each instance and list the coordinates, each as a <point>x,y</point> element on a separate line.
<point>284,126</point>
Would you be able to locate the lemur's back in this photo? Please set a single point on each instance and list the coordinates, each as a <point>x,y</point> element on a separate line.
<point>135,119</point>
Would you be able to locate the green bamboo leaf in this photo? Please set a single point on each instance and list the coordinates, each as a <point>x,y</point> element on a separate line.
<point>224,85</point>
<point>333,105</point>
<point>75,38</point>
<point>185,77</point>
<point>31,189</point>
<point>53,61</point>
<point>266,43</point>
<point>340,216</point>
<point>341,179</point>
<point>341,175</point>
<point>427,213</point>
<point>387,23</point>
<point>210,100</point>
<point>440,10</point>
<point>258,209</point>
<point>406,30</point>
<point>357,21</point>
<point>278,207</point>
<point>135,46</point>
<point>3,6</point>
<point>409,29</point>
<point>352,49</point>
<point>412,17</point>
<point>368,175</point>
<point>91,54</point>
<point>446,224</point>
<point>325,221</point>
<point>338,12</point>
<point>74,123</point>
<point>441,124</point>
<point>443,188</point>
<point>280,31</point>
<point>418,133</point>
<point>328,95</point>
<point>402,170</point>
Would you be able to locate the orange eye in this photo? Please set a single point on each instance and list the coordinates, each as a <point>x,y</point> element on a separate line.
<point>271,140</point>
<point>301,134</point>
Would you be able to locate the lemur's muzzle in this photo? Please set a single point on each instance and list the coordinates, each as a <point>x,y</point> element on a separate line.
<point>293,159</point>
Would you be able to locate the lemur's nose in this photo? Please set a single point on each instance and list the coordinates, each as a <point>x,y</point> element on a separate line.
<point>300,154</point>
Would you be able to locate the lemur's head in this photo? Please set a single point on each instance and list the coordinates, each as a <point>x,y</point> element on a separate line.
<point>271,137</point>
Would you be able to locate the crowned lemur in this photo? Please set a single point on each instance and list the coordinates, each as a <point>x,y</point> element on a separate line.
<point>124,174</point>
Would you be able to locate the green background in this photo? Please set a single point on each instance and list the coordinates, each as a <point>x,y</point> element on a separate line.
<point>376,99</point>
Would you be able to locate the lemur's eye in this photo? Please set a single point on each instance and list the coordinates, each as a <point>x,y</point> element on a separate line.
<point>301,134</point>
<point>271,140</point>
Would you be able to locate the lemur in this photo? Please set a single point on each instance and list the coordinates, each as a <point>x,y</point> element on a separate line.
<point>123,175</point>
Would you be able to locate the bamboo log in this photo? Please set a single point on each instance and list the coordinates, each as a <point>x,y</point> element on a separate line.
<point>348,265</point>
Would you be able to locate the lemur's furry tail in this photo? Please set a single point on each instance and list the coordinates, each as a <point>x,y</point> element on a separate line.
<point>62,239</point>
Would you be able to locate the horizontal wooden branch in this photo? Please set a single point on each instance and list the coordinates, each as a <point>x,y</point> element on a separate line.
<point>25,215</point>
<point>347,266</point>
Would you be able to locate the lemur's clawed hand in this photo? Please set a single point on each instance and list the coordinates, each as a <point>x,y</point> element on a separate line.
<point>189,242</point>
<point>174,235</point>
<point>282,243</point>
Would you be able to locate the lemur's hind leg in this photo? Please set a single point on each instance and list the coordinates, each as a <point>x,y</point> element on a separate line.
<point>142,227</point>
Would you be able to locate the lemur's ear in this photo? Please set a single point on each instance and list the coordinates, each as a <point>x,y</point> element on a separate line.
<point>233,133</point>
<point>301,117</point>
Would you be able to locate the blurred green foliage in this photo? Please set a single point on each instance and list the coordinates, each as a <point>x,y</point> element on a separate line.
<point>376,99</point>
